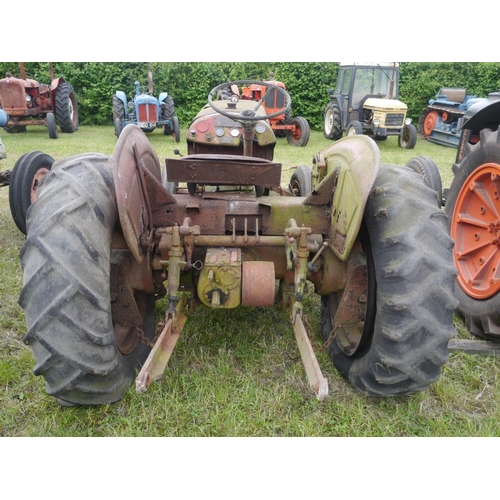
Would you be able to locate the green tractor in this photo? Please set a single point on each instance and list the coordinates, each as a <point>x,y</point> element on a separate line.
<point>110,236</point>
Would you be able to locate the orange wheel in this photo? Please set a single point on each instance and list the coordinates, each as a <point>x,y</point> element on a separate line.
<point>430,122</point>
<point>475,227</point>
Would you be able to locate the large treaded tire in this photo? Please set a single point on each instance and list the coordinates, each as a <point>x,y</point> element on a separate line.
<point>66,262</point>
<point>332,124</point>
<point>482,316</point>
<point>411,261</point>
<point>25,180</point>
<point>66,108</point>
<point>168,112</point>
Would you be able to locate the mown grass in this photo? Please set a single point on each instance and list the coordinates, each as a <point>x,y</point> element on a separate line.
<point>238,372</point>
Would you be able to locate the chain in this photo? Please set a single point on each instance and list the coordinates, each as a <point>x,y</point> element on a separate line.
<point>144,339</point>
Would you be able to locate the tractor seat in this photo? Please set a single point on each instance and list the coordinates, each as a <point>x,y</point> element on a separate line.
<point>452,94</point>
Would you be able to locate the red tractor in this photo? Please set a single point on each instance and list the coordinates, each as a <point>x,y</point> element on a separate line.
<point>296,129</point>
<point>24,101</point>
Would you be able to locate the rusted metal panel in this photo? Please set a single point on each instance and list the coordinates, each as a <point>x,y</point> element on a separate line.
<point>219,170</point>
<point>258,284</point>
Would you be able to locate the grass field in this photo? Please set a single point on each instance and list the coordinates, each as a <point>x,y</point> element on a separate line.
<point>238,372</point>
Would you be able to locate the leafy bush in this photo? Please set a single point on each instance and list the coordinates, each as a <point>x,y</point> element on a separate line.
<point>190,82</point>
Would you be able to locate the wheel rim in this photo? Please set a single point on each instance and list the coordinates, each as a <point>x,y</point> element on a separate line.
<point>36,181</point>
<point>354,338</point>
<point>328,121</point>
<point>430,123</point>
<point>475,228</point>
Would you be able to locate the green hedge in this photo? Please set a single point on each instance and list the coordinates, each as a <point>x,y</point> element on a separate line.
<point>307,82</point>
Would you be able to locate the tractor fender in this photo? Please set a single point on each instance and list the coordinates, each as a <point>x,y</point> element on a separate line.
<point>163,96</point>
<point>123,98</point>
<point>4,118</point>
<point>55,83</point>
<point>351,166</point>
<point>483,113</point>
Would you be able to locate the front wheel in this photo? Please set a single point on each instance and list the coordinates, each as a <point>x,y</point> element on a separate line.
<point>408,138</point>
<point>354,128</point>
<point>85,357</point>
<point>429,171</point>
<point>300,182</point>
<point>404,254</point>
<point>473,210</point>
<point>51,125</point>
<point>25,179</point>
<point>299,135</point>
<point>177,129</point>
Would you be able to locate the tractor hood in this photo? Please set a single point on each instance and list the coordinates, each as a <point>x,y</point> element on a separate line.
<point>212,128</point>
<point>385,104</point>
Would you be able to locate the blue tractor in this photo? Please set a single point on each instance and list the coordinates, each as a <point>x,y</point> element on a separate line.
<point>146,111</point>
<point>439,122</point>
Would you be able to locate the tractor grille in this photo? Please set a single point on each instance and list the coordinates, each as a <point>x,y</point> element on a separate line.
<point>147,113</point>
<point>394,120</point>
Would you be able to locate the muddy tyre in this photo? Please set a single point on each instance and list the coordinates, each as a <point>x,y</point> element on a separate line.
<point>66,108</point>
<point>67,262</point>
<point>403,341</point>
<point>25,179</point>
<point>472,206</point>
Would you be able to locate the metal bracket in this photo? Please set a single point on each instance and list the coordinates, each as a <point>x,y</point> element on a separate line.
<point>158,358</point>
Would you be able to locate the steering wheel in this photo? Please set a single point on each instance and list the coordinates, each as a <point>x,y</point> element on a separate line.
<point>249,115</point>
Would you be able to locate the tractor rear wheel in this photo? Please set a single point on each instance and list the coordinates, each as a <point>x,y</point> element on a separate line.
<point>300,136</point>
<point>332,125</point>
<point>473,210</point>
<point>25,179</point>
<point>402,342</point>
<point>118,115</point>
<point>430,122</point>
<point>408,138</point>
<point>66,108</point>
<point>67,259</point>
<point>168,112</point>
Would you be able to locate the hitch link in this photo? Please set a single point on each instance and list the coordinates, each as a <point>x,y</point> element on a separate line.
<point>158,358</point>
<point>318,383</point>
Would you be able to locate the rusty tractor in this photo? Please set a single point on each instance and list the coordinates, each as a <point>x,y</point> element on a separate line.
<point>24,102</point>
<point>110,235</point>
<point>296,129</point>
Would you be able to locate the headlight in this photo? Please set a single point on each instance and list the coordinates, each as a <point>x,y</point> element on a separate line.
<point>407,121</point>
<point>259,128</point>
<point>376,122</point>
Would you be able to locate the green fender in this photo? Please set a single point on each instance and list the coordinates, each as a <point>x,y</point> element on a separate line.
<point>343,177</point>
